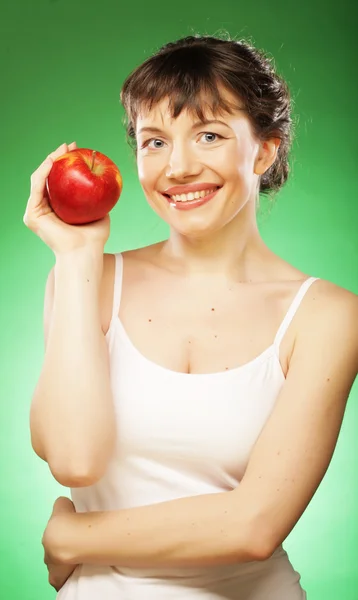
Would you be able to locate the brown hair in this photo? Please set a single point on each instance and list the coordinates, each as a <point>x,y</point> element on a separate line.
<point>191,68</point>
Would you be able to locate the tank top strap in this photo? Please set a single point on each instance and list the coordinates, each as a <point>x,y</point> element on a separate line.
<point>117,288</point>
<point>292,311</point>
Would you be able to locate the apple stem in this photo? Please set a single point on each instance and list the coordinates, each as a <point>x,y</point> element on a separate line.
<point>93,158</point>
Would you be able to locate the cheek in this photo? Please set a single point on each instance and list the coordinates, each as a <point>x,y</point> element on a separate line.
<point>147,173</point>
<point>232,157</point>
<point>232,167</point>
<point>141,170</point>
<point>242,162</point>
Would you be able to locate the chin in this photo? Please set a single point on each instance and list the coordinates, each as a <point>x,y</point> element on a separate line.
<point>196,230</point>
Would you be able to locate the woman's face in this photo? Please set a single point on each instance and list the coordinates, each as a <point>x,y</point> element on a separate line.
<point>184,151</point>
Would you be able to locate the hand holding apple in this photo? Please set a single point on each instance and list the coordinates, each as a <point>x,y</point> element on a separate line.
<point>43,221</point>
<point>83,186</point>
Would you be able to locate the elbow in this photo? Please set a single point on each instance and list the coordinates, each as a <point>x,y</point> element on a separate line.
<point>255,539</point>
<point>77,472</point>
<point>70,476</point>
<point>75,476</point>
<point>260,545</point>
<point>261,551</point>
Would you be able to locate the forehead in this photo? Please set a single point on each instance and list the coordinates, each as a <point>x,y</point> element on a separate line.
<point>163,110</point>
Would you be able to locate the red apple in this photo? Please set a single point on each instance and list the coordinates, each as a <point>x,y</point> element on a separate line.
<point>83,186</point>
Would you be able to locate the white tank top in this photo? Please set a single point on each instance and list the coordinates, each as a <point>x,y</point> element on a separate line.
<point>183,435</point>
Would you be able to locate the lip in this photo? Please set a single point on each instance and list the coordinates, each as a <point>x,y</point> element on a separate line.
<point>189,204</point>
<point>186,189</point>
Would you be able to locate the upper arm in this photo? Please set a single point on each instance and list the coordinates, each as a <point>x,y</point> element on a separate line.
<point>48,303</point>
<point>47,313</point>
<point>105,296</point>
<point>295,447</point>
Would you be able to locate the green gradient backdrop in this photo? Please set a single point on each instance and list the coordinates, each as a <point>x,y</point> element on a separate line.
<point>63,63</point>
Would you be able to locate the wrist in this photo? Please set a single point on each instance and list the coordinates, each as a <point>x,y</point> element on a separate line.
<point>61,533</point>
<point>88,252</point>
<point>86,260</point>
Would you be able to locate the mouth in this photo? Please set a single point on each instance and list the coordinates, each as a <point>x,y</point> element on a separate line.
<point>189,201</point>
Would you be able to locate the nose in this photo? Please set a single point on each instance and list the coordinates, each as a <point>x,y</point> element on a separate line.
<point>181,163</point>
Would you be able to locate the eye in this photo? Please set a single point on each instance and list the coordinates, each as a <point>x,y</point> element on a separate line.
<point>215,134</point>
<point>147,142</point>
<point>150,140</point>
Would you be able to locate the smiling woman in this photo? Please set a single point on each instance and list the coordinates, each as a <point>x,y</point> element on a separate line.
<point>229,368</point>
<point>193,72</point>
<point>227,108</point>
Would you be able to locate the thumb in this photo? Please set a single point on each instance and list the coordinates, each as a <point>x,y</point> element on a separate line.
<point>62,506</point>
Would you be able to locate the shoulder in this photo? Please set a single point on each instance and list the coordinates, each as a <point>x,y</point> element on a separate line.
<point>107,282</point>
<point>327,329</point>
<point>325,306</point>
<point>326,299</point>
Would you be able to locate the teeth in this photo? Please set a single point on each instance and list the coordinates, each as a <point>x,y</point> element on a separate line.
<point>192,196</point>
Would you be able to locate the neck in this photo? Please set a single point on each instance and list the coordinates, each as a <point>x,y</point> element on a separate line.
<point>236,252</point>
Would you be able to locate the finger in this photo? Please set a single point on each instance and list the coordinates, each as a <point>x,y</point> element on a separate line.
<point>72,146</point>
<point>38,177</point>
<point>37,188</point>
<point>38,181</point>
<point>57,576</point>
<point>62,505</point>
<point>59,151</point>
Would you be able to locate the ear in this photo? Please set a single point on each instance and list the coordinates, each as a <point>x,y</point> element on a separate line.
<point>266,155</point>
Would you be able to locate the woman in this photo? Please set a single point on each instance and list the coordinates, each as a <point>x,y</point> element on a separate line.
<point>192,390</point>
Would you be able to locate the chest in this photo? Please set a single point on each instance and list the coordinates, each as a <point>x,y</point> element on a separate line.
<point>202,327</point>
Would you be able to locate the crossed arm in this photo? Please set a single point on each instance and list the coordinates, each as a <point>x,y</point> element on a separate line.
<point>286,466</point>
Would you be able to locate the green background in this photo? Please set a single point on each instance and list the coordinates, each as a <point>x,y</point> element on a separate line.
<point>62,65</point>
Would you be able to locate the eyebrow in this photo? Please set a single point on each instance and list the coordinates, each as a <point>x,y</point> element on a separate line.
<point>195,125</point>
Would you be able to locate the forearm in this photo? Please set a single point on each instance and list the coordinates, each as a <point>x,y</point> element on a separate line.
<point>72,410</point>
<point>197,531</point>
